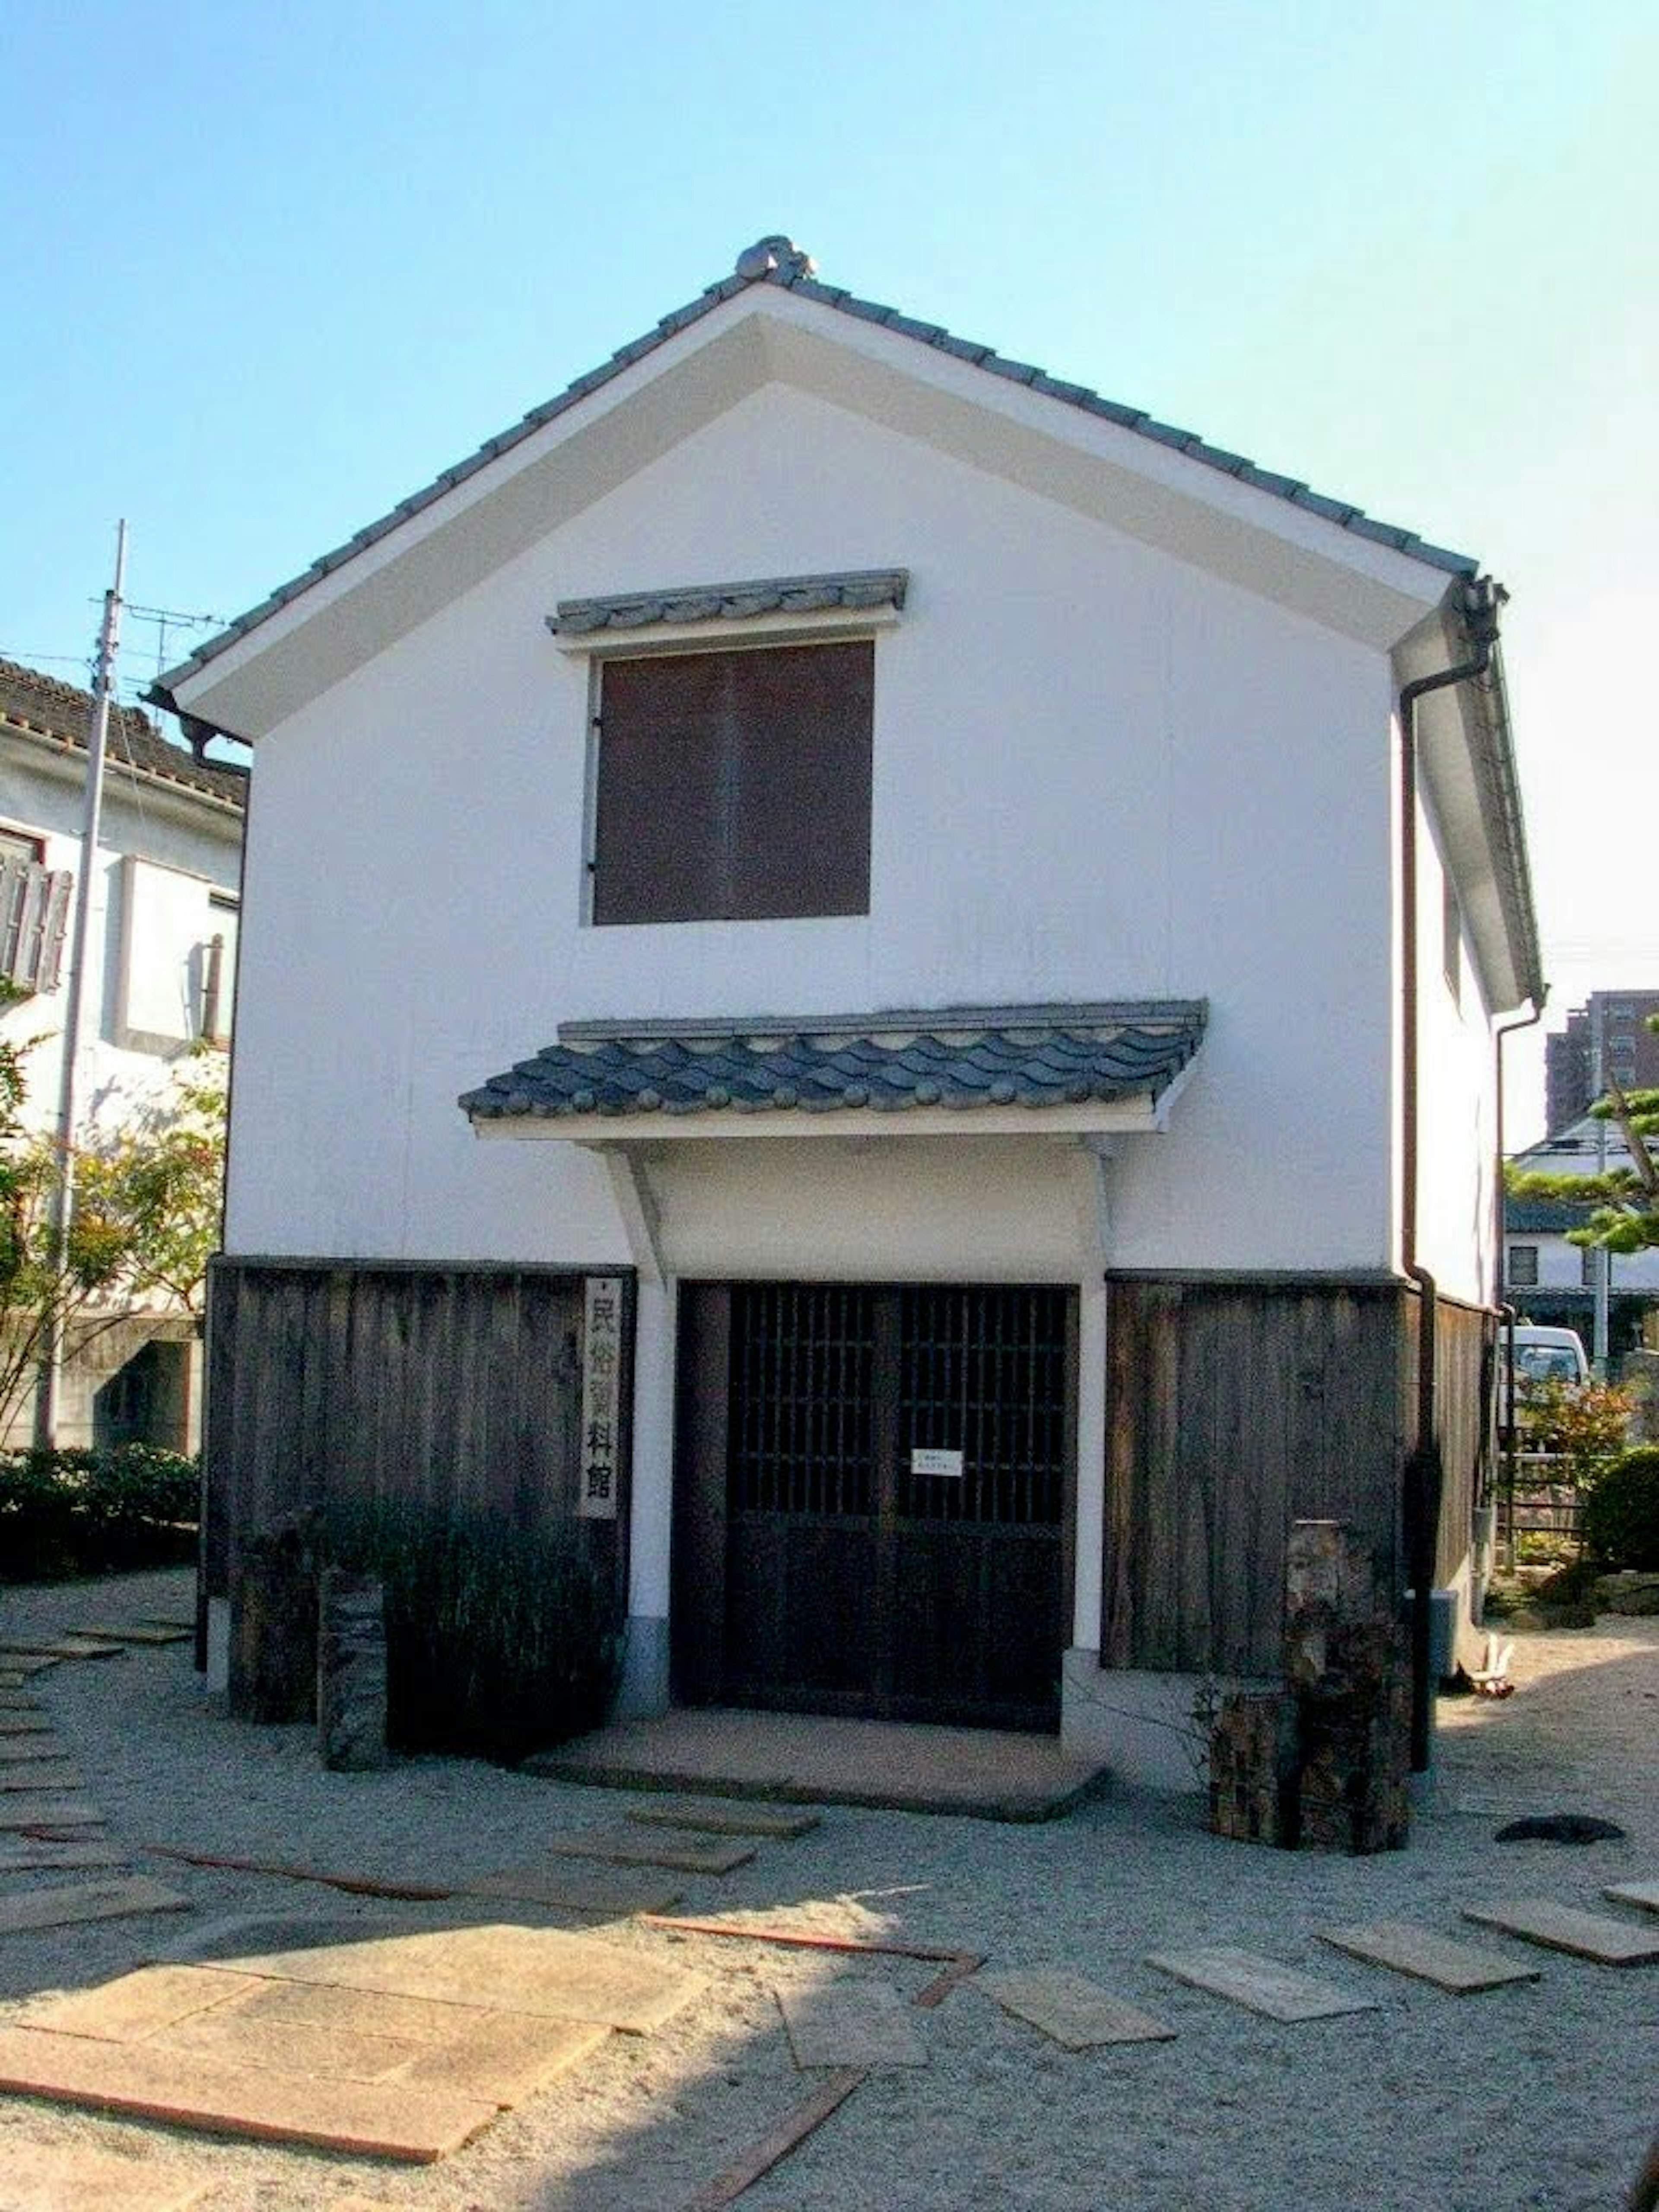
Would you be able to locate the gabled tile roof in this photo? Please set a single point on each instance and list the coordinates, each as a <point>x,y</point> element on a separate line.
<point>964,1058</point>
<point>42,707</point>
<point>777,262</point>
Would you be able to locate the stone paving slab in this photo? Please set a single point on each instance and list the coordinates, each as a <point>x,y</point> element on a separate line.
<point>19,1809</point>
<point>21,1662</point>
<point>505,2057</point>
<point>1594,1936</point>
<point>29,1658</point>
<point>245,2037</point>
<point>137,2005</point>
<point>46,2177</point>
<point>417,2021</point>
<point>1643,1893</point>
<point>1071,2011</point>
<point>35,1855</point>
<point>681,1854</point>
<point>42,1771</point>
<point>1260,1985</point>
<point>728,1819</point>
<point>376,2119</point>
<point>574,1889</point>
<point>851,2024</point>
<point>538,1970</point>
<point>1461,1969</point>
<point>811,1760</point>
<point>29,1745</point>
<point>137,1631</point>
<point>64,1907</point>
<point>22,1717</point>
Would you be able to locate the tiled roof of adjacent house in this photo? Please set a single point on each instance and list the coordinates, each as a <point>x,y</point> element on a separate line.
<point>42,707</point>
<point>778,262</point>
<point>964,1058</point>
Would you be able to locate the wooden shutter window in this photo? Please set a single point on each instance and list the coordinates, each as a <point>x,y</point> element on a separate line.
<point>735,786</point>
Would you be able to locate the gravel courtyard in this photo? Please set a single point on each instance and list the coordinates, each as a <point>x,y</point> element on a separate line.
<point>1539,2096</point>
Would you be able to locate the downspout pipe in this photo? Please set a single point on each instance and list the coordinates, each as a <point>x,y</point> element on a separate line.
<point>1423,1483</point>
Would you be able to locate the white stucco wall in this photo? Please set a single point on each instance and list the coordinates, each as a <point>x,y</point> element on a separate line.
<point>1457,1135</point>
<point>149,927</point>
<point>1098,774</point>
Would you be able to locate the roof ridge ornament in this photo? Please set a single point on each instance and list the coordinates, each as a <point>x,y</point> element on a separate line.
<point>776,256</point>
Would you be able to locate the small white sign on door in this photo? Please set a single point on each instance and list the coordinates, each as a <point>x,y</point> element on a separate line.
<point>924,1461</point>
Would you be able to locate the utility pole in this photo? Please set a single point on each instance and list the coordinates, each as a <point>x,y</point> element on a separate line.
<point>49,1395</point>
<point>1601,1258</point>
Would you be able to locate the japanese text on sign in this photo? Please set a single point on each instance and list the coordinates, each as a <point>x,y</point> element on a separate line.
<point>601,1397</point>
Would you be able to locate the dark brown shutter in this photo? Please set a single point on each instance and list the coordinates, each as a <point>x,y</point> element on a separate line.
<point>735,785</point>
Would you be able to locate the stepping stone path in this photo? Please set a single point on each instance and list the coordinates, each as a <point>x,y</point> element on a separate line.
<point>47,1829</point>
<point>139,1632</point>
<point>1073,2012</point>
<point>400,2046</point>
<point>47,2179</point>
<point>726,1820</point>
<point>1563,1928</point>
<point>683,1854</point>
<point>1643,1893</point>
<point>1460,1969</point>
<point>1259,1985</point>
<point>864,2024</point>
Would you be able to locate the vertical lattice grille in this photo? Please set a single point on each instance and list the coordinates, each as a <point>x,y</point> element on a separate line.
<point>984,1372</point>
<point>802,1366</point>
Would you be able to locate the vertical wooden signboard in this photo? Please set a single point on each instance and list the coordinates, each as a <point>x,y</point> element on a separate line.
<point>602,1367</point>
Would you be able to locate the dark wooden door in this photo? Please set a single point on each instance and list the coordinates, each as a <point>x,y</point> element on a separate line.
<point>872,1499</point>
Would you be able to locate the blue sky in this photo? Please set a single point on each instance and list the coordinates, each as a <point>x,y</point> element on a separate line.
<point>271,268</point>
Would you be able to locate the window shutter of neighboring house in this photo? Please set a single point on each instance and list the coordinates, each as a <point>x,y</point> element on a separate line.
<point>735,786</point>
<point>34,905</point>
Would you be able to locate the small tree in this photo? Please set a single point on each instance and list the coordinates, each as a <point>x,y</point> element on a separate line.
<point>1624,1200</point>
<point>144,1224</point>
<point>1583,1422</point>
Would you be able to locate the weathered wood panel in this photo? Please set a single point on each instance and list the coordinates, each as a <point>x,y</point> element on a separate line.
<point>1234,1409</point>
<point>455,1389</point>
<point>1465,1340</point>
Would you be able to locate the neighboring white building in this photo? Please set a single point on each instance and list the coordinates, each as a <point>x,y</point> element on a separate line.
<point>1548,1279</point>
<point>902,860</point>
<point>162,936</point>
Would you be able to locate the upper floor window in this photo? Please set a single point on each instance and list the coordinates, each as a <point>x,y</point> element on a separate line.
<point>34,913</point>
<point>1522,1268</point>
<point>734,785</point>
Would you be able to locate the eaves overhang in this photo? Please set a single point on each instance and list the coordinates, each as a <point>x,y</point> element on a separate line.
<point>1466,754</point>
<point>1051,1069</point>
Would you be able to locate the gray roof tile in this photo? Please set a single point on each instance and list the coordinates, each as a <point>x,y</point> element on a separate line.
<point>964,1057</point>
<point>696,603</point>
<point>793,271</point>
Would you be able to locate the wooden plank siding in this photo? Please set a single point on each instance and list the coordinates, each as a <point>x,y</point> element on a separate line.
<point>1465,1339</point>
<point>456,1388</point>
<point>1233,1409</point>
<point>1236,1407</point>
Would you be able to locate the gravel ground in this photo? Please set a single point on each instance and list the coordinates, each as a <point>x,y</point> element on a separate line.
<point>1539,2096</point>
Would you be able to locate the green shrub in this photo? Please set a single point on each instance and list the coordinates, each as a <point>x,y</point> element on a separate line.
<point>500,1640</point>
<point>1621,1513</point>
<point>78,1512</point>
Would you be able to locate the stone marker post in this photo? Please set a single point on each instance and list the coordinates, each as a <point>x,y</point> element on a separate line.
<point>351,1671</point>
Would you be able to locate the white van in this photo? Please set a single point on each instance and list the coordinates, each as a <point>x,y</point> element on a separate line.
<point>1548,1355</point>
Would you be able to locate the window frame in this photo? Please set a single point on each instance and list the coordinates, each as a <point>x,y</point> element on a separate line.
<point>835,626</point>
<point>1523,1281</point>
